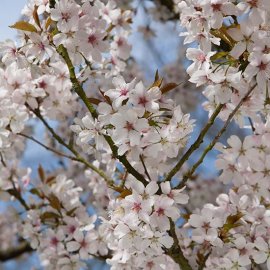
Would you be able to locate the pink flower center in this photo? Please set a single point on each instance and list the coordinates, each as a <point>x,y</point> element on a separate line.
<point>65,16</point>
<point>72,229</point>
<point>243,251</point>
<point>105,11</point>
<point>83,244</point>
<point>216,7</point>
<point>142,101</point>
<point>120,42</point>
<point>198,8</point>
<point>13,51</point>
<point>123,92</point>
<point>129,126</point>
<point>92,39</point>
<point>201,57</point>
<point>113,61</point>
<point>206,226</point>
<point>16,85</point>
<point>262,66</point>
<point>150,265</point>
<point>170,195</point>
<point>41,46</point>
<point>253,3</point>
<point>160,212</point>
<point>42,84</point>
<point>136,207</point>
<point>54,241</point>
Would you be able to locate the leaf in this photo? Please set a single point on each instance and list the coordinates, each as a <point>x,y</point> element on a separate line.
<point>49,215</point>
<point>158,81</point>
<point>36,192</point>
<point>218,55</point>
<point>50,179</point>
<point>48,23</point>
<point>41,174</point>
<point>232,221</point>
<point>106,98</point>
<point>94,101</point>
<point>71,212</point>
<point>156,75</point>
<point>35,16</point>
<point>168,87</point>
<point>54,202</point>
<point>125,193</point>
<point>24,26</point>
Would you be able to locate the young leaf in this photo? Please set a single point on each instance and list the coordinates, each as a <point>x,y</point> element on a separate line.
<point>49,215</point>
<point>168,87</point>
<point>24,26</point>
<point>158,81</point>
<point>94,101</point>
<point>41,174</point>
<point>35,16</point>
<point>54,202</point>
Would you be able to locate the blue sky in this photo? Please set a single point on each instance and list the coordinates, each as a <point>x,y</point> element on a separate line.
<point>10,11</point>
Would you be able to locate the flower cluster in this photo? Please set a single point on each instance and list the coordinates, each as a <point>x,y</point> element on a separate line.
<point>59,227</point>
<point>140,122</point>
<point>237,228</point>
<point>125,138</point>
<point>138,230</point>
<point>232,54</point>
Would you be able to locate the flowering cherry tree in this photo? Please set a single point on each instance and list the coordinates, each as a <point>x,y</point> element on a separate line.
<point>127,192</point>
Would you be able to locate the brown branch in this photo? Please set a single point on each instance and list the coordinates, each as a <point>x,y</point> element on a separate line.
<point>196,144</point>
<point>77,156</point>
<point>175,252</point>
<point>14,252</point>
<point>215,140</point>
<point>79,90</point>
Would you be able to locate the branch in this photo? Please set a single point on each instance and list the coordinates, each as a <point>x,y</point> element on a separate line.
<point>196,144</point>
<point>144,166</point>
<point>202,266</point>
<point>215,140</point>
<point>15,252</point>
<point>77,156</point>
<point>175,251</point>
<point>79,90</point>
<point>47,147</point>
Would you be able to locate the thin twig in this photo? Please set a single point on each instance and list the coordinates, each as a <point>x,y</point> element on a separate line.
<point>145,169</point>
<point>77,157</point>
<point>252,125</point>
<point>215,140</point>
<point>196,144</point>
<point>15,252</point>
<point>47,147</point>
<point>175,252</point>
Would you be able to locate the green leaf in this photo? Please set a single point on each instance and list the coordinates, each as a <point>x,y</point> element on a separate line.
<point>24,26</point>
<point>218,55</point>
<point>36,192</point>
